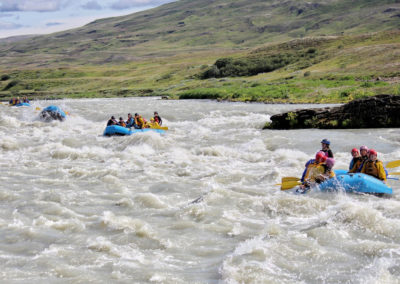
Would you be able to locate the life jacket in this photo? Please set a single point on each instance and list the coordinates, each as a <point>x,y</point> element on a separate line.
<point>122,123</point>
<point>324,173</point>
<point>139,121</point>
<point>314,171</point>
<point>355,164</point>
<point>371,168</point>
<point>307,169</point>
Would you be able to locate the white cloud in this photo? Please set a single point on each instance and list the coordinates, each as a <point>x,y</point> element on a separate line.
<point>29,5</point>
<point>92,5</point>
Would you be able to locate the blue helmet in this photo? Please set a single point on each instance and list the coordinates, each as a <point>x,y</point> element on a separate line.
<point>326,141</point>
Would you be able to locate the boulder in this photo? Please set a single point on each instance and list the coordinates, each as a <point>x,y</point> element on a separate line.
<point>373,112</point>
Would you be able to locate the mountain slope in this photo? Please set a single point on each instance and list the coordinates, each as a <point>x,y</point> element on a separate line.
<point>201,25</point>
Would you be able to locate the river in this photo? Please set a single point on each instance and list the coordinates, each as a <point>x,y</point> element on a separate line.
<point>80,207</point>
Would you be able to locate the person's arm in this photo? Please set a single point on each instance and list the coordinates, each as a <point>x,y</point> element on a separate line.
<point>381,170</point>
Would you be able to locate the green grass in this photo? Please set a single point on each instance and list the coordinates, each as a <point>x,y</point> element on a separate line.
<point>341,69</point>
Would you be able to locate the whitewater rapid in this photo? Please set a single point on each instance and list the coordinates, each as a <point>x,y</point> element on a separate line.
<point>80,207</point>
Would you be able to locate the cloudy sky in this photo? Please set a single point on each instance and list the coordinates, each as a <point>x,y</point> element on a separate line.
<point>21,17</point>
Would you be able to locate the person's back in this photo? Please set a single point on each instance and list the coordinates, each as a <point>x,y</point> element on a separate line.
<point>373,166</point>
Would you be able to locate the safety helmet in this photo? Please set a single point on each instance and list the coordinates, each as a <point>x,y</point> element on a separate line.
<point>330,162</point>
<point>319,155</point>
<point>354,150</point>
<point>323,159</point>
<point>372,152</point>
<point>326,141</point>
<point>363,148</point>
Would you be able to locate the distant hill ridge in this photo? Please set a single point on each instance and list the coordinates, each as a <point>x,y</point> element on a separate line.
<point>189,25</point>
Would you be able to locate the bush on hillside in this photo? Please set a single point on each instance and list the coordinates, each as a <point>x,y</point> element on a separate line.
<point>253,65</point>
<point>5,77</point>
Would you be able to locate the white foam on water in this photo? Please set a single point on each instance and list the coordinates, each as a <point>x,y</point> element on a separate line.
<point>198,204</point>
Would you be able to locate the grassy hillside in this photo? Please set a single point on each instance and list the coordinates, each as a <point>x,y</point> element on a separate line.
<point>201,25</point>
<point>286,51</point>
<point>341,69</point>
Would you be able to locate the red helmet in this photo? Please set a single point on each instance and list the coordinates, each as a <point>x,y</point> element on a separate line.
<point>354,150</point>
<point>323,159</point>
<point>319,155</point>
<point>372,152</point>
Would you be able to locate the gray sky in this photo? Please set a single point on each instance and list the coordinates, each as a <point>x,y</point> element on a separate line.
<point>22,17</point>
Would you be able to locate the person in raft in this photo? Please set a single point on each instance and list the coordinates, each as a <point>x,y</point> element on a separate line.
<point>325,148</point>
<point>157,118</point>
<point>326,171</point>
<point>121,122</point>
<point>139,121</point>
<point>312,164</point>
<point>356,161</point>
<point>112,121</point>
<point>313,169</point>
<point>152,124</point>
<point>374,167</point>
<point>364,157</point>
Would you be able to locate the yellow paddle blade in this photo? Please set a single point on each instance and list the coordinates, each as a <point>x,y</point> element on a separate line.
<point>37,108</point>
<point>159,127</point>
<point>289,184</point>
<point>284,179</point>
<point>393,164</point>
<point>395,174</point>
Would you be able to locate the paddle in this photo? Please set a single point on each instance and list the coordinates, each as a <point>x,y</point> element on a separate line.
<point>393,164</point>
<point>290,184</point>
<point>285,179</point>
<point>159,127</point>
<point>395,174</point>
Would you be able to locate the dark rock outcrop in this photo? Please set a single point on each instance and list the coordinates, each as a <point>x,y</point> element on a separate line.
<point>373,112</point>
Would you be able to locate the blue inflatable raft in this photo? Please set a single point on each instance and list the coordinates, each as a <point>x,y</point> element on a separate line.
<point>119,130</point>
<point>52,113</point>
<point>22,104</point>
<point>356,182</point>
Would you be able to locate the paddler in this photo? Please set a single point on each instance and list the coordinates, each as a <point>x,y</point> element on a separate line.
<point>325,143</point>
<point>152,124</point>
<point>357,160</point>
<point>139,121</point>
<point>121,122</point>
<point>374,167</point>
<point>364,157</point>
<point>112,121</point>
<point>157,118</point>
<point>312,164</point>
<point>326,171</point>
